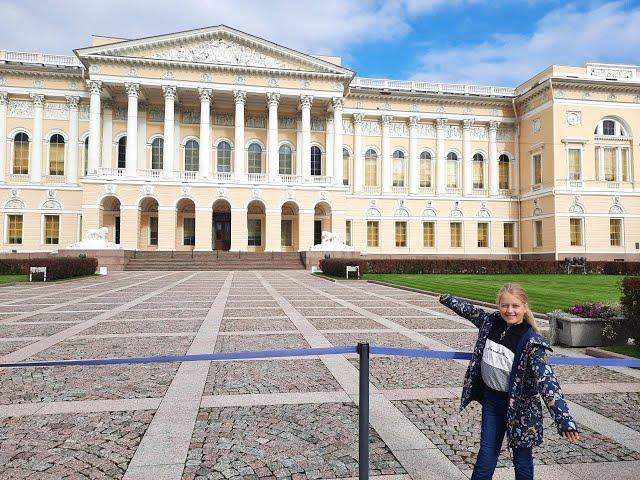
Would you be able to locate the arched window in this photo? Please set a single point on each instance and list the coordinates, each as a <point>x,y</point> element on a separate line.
<point>285,160</point>
<point>346,166</point>
<point>255,158</point>
<point>192,156</point>
<point>452,170</point>
<point>503,172</point>
<point>21,154</point>
<point>398,168</point>
<point>157,152</point>
<point>371,168</point>
<point>425,170</point>
<point>316,161</point>
<point>223,155</point>
<point>611,127</point>
<point>122,152</point>
<point>86,155</point>
<point>478,171</point>
<point>56,155</point>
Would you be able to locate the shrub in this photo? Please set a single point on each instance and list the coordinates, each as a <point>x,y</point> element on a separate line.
<point>631,307</point>
<point>57,267</point>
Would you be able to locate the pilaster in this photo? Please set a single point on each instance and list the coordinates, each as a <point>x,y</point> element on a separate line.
<point>169,92</point>
<point>358,160</point>
<point>4,100</point>
<point>441,161</point>
<point>205,135</point>
<point>72,152</point>
<point>35,169</point>
<point>133,90</point>
<point>338,104</point>
<point>95,90</point>
<point>240,98</point>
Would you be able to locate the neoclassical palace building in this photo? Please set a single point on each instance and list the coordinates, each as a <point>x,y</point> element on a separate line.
<point>214,139</point>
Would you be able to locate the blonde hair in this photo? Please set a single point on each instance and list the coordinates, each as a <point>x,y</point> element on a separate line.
<point>516,290</point>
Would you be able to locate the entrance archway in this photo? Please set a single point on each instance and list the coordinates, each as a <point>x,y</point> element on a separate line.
<point>321,221</point>
<point>148,233</point>
<point>255,226</point>
<point>221,225</point>
<point>185,224</point>
<point>289,227</point>
<point>110,217</point>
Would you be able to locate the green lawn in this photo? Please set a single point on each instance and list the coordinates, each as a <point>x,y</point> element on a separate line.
<point>629,350</point>
<point>546,292</point>
<point>13,278</point>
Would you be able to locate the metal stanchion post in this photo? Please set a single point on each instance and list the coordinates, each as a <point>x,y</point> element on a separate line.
<point>363,412</point>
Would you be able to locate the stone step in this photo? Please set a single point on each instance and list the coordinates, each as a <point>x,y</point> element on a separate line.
<point>215,261</point>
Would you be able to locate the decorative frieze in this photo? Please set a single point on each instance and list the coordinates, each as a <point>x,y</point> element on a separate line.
<point>399,129</point>
<point>56,111</point>
<point>120,112</point>
<point>613,73</point>
<point>347,127</point>
<point>426,130</point>
<point>286,123</point>
<point>453,132</point>
<point>371,128</point>
<point>155,114</point>
<point>317,124</point>
<point>83,111</point>
<point>223,119</point>
<point>191,117</point>
<point>255,121</point>
<point>479,133</point>
<point>20,109</point>
<point>505,134</point>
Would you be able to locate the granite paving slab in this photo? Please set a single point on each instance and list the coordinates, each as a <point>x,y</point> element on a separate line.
<point>341,323</point>
<point>460,341</point>
<point>395,311</point>
<point>254,313</point>
<point>580,374</point>
<point>32,330</point>
<point>256,324</point>
<point>332,312</point>
<point>13,345</point>
<point>162,313</point>
<point>623,408</point>
<point>244,343</point>
<point>72,317</point>
<point>391,339</point>
<point>416,323</point>
<point>166,325</point>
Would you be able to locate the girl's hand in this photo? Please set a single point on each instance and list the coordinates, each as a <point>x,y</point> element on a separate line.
<point>571,436</point>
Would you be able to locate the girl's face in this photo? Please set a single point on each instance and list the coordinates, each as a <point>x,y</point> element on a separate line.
<point>512,309</point>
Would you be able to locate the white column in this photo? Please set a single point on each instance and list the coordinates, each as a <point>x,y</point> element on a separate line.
<point>133,90</point>
<point>169,92</point>
<point>240,98</point>
<point>414,161</point>
<point>386,153</point>
<point>95,89</point>
<point>4,100</point>
<point>305,107</point>
<point>107,134</point>
<point>329,145</point>
<point>618,163</point>
<point>35,168</point>
<point>141,142</point>
<point>338,103</point>
<point>493,158</point>
<point>72,158</point>
<point>358,160</point>
<point>467,156</point>
<point>299,146</point>
<point>273,158</point>
<point>205,132</point>
<point>441,161</point>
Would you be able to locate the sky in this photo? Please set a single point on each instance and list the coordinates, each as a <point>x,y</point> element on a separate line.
<point>486,42</point>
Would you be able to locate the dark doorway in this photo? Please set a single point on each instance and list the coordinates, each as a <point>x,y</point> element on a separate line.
<point>117,232</point>
<point>317,232</point>
<point>221,230</point>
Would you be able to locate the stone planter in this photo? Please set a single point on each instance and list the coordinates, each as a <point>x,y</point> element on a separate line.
<point>573,331</point>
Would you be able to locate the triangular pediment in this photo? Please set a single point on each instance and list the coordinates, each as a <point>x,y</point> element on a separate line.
<point>218,46</point>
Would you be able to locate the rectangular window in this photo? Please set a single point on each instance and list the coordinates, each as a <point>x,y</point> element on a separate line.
<point>254,230</point>
<point>401,234</point>
<point>347,233</point>
<point>51,229</point>
<point>21,157</point>
<point>286,233</point>
<point>625,164</point>
<point>429,234</point>
<point>370,172</point>
<point>574,164</point>
<point>478,174</point>
<point>456,234</point>
<point>615,232</point>
<point>14,229</point>
<point>189,233</point>
<point>153,231</point>
<point>504,174</point>
<point>483,235</point>
<point>537,233</point>
<point>537,169</point>
<point>56,158</point>
<point>373,239</point>
<point>610,164</point>
<point>452,173</point>
<point>509,235</point>
<point>575,231</point>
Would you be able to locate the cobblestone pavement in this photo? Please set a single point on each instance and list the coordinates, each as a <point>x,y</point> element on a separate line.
<point>285,418</point>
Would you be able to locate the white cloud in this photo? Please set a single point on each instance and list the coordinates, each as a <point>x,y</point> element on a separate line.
<point>568,35</point>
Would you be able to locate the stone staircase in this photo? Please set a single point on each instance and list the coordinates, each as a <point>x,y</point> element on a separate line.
<point>216,260</point>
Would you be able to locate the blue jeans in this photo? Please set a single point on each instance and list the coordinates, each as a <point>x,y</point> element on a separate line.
<point>494,425</point>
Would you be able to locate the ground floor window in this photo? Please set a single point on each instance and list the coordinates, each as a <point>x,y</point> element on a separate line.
<point>286,233</point>
<point>483,235</point>
<point>51,229</point>
<point>254,229</point>
<point>615,232</point>
<point>14,229</point>
<point>401,234</point>
<point>153,231</point>
<point>509,237</point>
<point>347,233</point>
<point>429,234</point>
<point>189,232</point>
<point>575,231</point>
<point>537,233</point>
<point>456,234</point>
<point>373,238</point>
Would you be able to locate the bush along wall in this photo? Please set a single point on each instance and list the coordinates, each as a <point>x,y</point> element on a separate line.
<point>337,267</point>
<point>631,307</point>
<point>57,268</point>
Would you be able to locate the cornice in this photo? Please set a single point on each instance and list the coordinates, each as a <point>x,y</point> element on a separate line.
<point>444,98</point>
<point>42,73</point>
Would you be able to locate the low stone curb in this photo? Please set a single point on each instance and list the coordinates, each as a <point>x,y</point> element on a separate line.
<point>601,353</point>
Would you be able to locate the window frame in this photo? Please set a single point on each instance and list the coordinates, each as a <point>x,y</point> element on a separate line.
<point>513,235</point>
<point>46,240</point>
<point>488,234</point>
<point>621,232</point>
<point>13,152</point>
<point>191,151</point>
<point>315,161</point>
<point>398,176</point>
<point>282,156</point>
<point>373,242</point>
<point>7,228</point>
<point>254,156</point>
<point>220,167</point>
<point>459,240</point>
<point>535,181</point>
<point>424,159</point>
<point>191,240</point>
<point>456,163</point>
<point>50,151</point>
<point>579,242</point>
<point>506,162</point>
<point>478,158</point>
<point>121,152</point>
<point>348,232</point>
<point>433,233</point>
<point>580,149</point>
<point>403,241</point>
<point>252,237</point>
<point>538,238</point>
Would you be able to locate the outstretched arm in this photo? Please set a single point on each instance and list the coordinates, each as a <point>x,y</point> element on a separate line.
<point>464,309</point>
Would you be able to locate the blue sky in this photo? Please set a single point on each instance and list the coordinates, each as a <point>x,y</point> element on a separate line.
<point>498,42</point>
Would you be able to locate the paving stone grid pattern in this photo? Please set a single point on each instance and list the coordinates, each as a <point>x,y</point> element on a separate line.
<point>263,419</point>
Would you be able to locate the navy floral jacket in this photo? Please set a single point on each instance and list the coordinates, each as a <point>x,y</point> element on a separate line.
<point>531,378</point>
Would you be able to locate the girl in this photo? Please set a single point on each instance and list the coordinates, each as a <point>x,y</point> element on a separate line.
<point>508,370</point>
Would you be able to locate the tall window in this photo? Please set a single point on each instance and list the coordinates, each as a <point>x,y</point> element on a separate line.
<point>346,166</point>
<point>347,233</point>
<point>456,234</point>
<point>574,164</point>
<point>483,235</point>
<point>255,158</point>
<point>153,231</point>
<point>398,169</point>
<point>86,155</point>
<point>284,160</point>
<point>478,171</point>
<point>537,233</point>
<point>504,173</point>
<point>56,155</point>
<point>157,153</point>
<point>189,231</point>
<point>316,161</point>
<point>610,164</point>
<point>254,230</point>
<point>575,231</point>
<point>223,157</point>
<point>373,238</point>
<point>615,232</point>
<point>610,127</point>
<point>509,235</point>
<point>624,153</point>
<point>401,234</point>
<point>192,156</point>
<point>51,229</point>
<point>371,168</point>
<point>425,170</point>
<point>537,169</point>
<point>452,170</point>
<point>286,233</point>
<point>122,152</point>
<point>429,234</point>
<point>14,229</point>
<point>21,153</point>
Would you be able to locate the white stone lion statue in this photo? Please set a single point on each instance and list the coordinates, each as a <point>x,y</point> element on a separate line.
<point>96,239</point>
<point>331,243</point>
